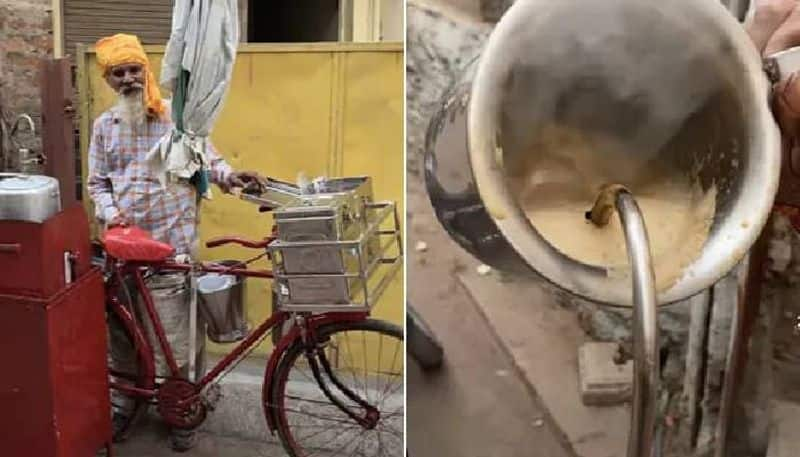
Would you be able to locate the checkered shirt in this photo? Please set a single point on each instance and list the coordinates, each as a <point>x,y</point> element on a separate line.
<point>120,181</point>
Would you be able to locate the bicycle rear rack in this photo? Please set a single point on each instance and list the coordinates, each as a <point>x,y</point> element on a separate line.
<point>369,263</point>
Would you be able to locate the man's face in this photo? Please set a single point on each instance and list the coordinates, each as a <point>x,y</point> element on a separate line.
<point>126,79</point>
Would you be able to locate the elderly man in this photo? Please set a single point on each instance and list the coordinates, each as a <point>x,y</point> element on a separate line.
<point>126,190</point>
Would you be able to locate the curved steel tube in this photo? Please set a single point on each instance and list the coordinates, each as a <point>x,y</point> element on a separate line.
<point>646,357</point>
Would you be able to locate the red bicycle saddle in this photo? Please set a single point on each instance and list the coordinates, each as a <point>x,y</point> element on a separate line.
<point>135,244</point>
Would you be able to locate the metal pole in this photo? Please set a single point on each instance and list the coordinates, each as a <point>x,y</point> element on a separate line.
<point>192,324</point>
<point>646,363</point>
<point>646,357</point>
<point>748,301</point>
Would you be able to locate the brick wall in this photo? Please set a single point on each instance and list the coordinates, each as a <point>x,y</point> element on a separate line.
<point>25,37</point>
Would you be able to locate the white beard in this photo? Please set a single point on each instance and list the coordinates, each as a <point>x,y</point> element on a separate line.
<point>132,111</point>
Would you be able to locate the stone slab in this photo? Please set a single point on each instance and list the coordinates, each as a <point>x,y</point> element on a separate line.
<point>603,382</point>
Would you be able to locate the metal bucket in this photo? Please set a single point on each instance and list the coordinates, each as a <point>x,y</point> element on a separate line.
<point>171,299</point>
<point>222,305</point>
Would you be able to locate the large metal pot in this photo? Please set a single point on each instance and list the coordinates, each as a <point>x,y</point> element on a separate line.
<point>675,82</point>
<point>29,198</point>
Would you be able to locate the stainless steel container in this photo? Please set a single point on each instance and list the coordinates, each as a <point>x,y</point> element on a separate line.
<point>675,82</point>
<point>337,212</point>
<point>171,296</point>
<point>169,291</point>
<point>29,198</point>
<point>222,305</point>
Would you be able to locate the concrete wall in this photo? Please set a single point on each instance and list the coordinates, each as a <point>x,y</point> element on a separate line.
<point>376,20</point>
<point>25,37</point>
<point>392,26</point>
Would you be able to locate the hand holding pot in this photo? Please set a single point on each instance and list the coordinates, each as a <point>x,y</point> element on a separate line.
<point>775,27</point>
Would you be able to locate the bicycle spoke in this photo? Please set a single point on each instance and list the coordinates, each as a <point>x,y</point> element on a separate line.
<point>389,394</point>
<point>310,378</point>
<point>340,448</point>
<point>394,433</point>
<point>394,358</point>
<point>321,402</point>
<point>320,429</point>
<point>364,353</point>
<point>392,443</point>
<point>352,366</point>
<point>325,402</point>
<point>323,429</point>
<point>362,444</point>
<point>380,443</point>
<point>348,443</point>
<point>363,447</point>
<point>392,414</point>
<point>317,416</point>
<point>378,371</point>
<point>326,438</point>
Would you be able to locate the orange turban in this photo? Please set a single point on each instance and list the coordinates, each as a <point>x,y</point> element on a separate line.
<point>126,49</point>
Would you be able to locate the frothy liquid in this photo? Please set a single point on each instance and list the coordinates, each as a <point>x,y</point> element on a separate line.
<point>555,195</point>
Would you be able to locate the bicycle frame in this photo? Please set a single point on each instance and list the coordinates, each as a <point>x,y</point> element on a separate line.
<point>119,271</point>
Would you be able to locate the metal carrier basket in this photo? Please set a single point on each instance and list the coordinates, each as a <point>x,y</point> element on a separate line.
<point>331,275</point>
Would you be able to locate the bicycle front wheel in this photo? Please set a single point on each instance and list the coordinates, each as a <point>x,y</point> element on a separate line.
<point>344,395</point>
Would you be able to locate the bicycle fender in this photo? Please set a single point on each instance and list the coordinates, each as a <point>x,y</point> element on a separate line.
<point>288,339</point>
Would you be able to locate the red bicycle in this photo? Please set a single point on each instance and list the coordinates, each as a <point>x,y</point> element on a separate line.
<point>332,385</point>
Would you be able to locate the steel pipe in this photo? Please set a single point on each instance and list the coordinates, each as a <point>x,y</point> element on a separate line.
<point>646,356</point>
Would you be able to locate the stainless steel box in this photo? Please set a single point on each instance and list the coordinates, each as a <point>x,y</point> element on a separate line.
<point>336,212</point>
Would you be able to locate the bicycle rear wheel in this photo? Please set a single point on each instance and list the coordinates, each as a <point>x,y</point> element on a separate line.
<point>365,358</point>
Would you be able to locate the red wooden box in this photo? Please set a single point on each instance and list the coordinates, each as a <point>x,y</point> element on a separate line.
<point>32,254</point>
<point>54,399</point>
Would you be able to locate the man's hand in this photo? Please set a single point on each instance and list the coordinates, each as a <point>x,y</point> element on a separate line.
<point>250,182</point>
<point>775,27</point>
<point>117,221</point>
<point>768,17</point>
